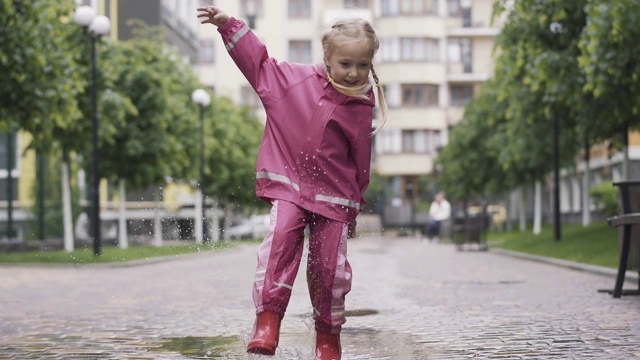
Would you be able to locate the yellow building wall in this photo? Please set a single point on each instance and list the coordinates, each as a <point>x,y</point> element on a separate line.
<point>27,166</point>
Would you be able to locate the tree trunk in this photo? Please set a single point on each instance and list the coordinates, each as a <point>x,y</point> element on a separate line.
<point>157,221</point>
<point>214,233</point>
<point>625,151</point>
<point>507,209</point>
<point>67,214</point>
<point>521,208</point>
<point>586,174</point>
<point>198,217</point>
<point>123,236</point>
<point>537,211</point>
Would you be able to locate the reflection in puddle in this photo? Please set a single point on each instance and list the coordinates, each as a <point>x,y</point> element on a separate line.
<point>202,347</point>
<point>357,344</point>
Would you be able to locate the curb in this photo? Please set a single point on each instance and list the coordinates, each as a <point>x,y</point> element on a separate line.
<point>594,269</point>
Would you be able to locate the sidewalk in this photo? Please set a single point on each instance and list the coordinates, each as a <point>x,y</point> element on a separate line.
<point>410,300</point>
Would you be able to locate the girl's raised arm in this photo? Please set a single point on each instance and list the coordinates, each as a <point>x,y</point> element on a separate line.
<point>212,15</point>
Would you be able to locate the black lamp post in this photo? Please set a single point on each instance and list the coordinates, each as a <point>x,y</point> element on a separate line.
<point>202,99</point>
<point>97,26</point>
<point>556,180</point>
<point>556,28</point>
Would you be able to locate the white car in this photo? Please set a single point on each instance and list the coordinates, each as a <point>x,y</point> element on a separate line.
<point>256,227</point>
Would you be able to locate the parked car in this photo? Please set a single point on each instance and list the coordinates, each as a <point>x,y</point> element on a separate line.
<point>255,227</point>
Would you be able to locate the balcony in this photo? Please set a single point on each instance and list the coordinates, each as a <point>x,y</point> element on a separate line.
<point>403,164</point>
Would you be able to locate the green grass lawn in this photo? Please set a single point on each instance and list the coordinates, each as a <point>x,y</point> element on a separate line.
<point>596,244</point>
<point>108,254</point>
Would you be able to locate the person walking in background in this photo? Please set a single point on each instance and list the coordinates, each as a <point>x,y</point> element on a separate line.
<point>313,168</point>
<point>439,211</point>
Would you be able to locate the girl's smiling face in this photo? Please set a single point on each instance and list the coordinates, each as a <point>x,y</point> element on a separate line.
<point>350,63</point>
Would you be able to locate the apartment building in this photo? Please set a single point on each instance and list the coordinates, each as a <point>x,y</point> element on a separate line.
<point>433,56</point>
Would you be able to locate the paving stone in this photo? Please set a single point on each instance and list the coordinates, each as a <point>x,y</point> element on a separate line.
<point>415,300</point>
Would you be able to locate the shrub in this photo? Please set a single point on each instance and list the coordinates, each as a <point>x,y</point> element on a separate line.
<point>605,196</point>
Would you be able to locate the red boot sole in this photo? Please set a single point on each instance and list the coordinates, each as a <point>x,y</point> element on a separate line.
<point>261,349</point>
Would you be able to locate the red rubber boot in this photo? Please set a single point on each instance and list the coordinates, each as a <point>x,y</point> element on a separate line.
<point>266,332</point>
<point>328,347</point>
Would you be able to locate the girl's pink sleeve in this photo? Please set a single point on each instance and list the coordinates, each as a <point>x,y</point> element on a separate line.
<point>252,58</point>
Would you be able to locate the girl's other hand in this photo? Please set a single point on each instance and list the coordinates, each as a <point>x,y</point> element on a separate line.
<point>212,15</point>
<point>351,231</point>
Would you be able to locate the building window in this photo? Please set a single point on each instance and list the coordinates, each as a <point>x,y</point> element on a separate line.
<point>460,51</point>
<point>419,95</point>
<point>300,51</point>
<point>4,165</point>
<point>409,7</point>
<point>299,8</point>
<point>389,141</point>
<point>420,49</point>
<point>387,9</point>
<point>248,97</point>
<point>206,52</point>
<point>251,7</point>
<point>408,141</point>
<point>461,94</point>
<point>420,141</point>
<point>454,8</point>
<point>4,152</point>
<point>355,4</point>
<point>418,7</point>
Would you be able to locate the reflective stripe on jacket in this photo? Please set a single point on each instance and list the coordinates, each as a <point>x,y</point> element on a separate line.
<point>316,148</point>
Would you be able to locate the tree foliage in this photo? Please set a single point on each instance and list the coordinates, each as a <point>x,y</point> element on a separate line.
<point>152,141</point>
<point>537,80</point>
<point>232,141</point>
<point>609,58</point>
<point>148,124</point>
<point>40,82</point>
<point>470,164</point>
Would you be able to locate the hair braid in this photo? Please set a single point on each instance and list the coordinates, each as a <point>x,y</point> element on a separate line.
<point>381,101</point>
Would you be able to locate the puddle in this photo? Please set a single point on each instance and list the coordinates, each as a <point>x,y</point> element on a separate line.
<point>357,344</point>
<point>201,347</point>
<point>360,312</point>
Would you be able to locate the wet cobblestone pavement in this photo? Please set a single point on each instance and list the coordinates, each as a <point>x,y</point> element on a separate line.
<point>410,300</point>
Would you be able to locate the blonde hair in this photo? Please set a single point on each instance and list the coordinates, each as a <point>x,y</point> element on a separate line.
<point>355,28</point>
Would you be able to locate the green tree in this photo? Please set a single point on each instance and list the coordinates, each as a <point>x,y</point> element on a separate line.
<point>539,79</point>
<point>151,143</point>
<point>470,161</point>
<point>39,83</point>
<point>232,141</point>
<point>609,58</point>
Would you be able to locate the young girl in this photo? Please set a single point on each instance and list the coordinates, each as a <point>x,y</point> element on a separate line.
<point>313,168</point>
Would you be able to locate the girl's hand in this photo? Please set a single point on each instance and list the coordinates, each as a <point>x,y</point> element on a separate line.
<point>351,232</point>
<point>212,15</point>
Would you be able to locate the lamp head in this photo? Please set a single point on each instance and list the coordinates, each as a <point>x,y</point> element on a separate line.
<point>84,15</point>
<point>201,97</point>
<point>101,25</point>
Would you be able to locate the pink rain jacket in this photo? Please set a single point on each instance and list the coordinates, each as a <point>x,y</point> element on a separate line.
<point>316,147</point>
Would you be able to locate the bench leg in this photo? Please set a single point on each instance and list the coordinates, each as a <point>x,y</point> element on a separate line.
<point>624,257</point>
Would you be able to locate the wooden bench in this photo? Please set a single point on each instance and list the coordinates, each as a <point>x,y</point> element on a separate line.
<point>628,223</point>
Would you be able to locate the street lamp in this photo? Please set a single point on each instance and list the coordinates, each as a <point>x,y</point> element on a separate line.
<point>202,99</point>
<point>556,28</point>
<point>97,26</point>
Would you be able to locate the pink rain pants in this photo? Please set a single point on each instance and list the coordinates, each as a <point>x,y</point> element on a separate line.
<point>328,271</point>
